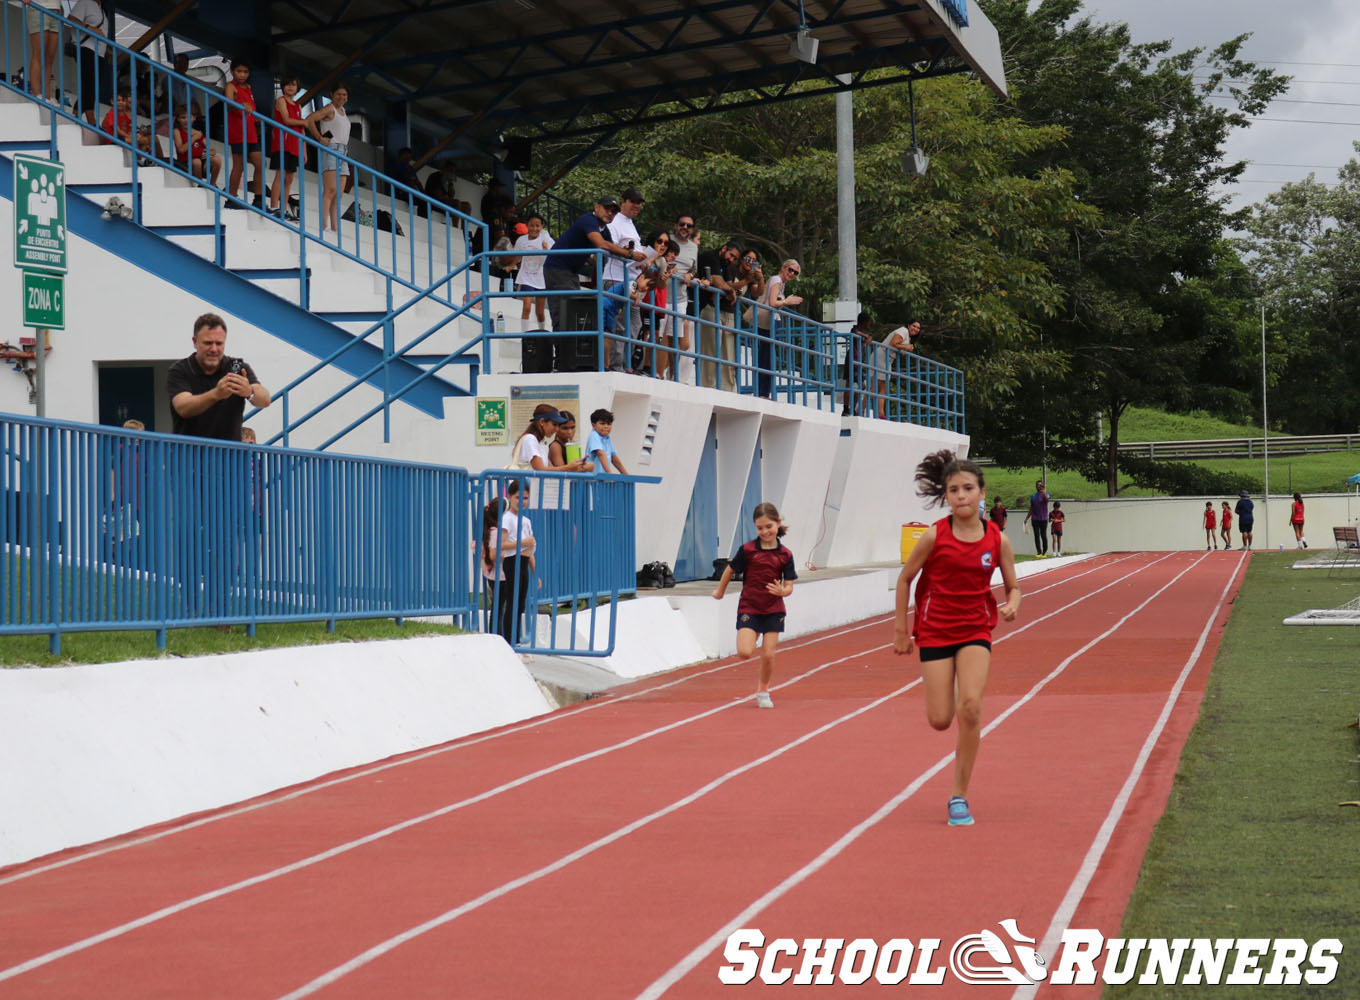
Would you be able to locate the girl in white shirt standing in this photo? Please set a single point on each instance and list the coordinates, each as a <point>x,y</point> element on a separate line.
<point>516,537</point>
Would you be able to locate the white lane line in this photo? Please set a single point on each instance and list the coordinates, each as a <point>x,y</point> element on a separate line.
<point>1062,918</point>
<point>410,934</point>
<point>184,905</point>
<point>458,744</point>
<point>743,919</point>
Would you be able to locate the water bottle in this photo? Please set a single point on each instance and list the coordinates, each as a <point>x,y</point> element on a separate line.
<point>500,322</point>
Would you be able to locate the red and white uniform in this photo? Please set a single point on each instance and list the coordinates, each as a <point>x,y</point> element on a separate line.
<point>954,602</point>
<point>1296,514</point>
<point>1209,520</point>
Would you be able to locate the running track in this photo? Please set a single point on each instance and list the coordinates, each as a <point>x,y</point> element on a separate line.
<point>608,850</point>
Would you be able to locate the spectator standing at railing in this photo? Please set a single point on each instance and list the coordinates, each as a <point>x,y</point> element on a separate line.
<point>285,147</point>
<point>530,276</point>
<point>42,45</point>
<point>857,353</point>
<point>718,301</point>
<point>561,272</point>
<point>330,126</point>
<point>208,390</point>
<point>768,324</point>
<point>901,339</point>
<point>531,448</point>
<point>191,152</point>
<point>559,457</point>
<point>623,232</point>
<point>243,135</point>
<point>95,79</point>
<point>600,445</point>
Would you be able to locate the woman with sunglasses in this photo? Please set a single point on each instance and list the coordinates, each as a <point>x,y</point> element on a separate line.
<point>767,323</point>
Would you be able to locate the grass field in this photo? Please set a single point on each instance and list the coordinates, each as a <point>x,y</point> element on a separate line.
<point>110,647</point>
<point>1253,842</point>
<point>1325,473</point>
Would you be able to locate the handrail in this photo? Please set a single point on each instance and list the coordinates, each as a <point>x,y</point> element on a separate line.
<point>802,362</point>
<point>1243,447</point>
<point>384,193</point>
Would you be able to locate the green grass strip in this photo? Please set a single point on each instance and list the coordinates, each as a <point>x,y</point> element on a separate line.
<point>1253,842</point>
<point>110,647</point>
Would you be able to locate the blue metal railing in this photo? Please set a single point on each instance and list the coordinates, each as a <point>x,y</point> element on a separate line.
<point>104,528</point>
<point>435,236</point>
<point>791,358</point>
<point>553,586</point>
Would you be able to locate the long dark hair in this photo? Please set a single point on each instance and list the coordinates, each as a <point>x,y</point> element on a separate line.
<point>935,471</point>
<point>491,518</point>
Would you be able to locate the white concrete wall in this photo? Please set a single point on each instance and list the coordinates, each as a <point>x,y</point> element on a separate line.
<point>95,751</point>
<point>1156,524</point>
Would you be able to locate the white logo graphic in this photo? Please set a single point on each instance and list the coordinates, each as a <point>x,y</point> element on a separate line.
<point>1026,966</point>
<point>986,560</point>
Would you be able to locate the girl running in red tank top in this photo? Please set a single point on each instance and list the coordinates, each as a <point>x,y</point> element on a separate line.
<point>955,609</point>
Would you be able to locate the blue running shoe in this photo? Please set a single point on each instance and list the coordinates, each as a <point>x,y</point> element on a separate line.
<point>958,812</point>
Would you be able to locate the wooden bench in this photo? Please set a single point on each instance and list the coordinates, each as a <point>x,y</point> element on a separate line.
<point>1347,539</point>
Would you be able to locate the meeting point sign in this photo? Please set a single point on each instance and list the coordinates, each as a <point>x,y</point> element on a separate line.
<point>1010,958</point>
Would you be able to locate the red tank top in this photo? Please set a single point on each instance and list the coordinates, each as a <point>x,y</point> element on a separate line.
<point>954,601</point>
<point>237,118</point>
<point>290,144</point>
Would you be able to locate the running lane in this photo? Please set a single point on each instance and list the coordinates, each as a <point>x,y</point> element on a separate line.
<point>596,853</point>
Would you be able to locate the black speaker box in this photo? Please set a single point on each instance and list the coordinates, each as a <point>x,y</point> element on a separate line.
<point>536,354</point>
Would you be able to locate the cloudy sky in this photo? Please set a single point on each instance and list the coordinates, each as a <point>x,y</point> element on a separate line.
<point>1315,42</point>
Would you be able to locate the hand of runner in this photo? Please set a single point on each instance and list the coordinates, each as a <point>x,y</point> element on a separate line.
<point>903,643</point>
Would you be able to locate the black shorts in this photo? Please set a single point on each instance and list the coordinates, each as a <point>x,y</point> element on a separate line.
<point>929,653</point>
<point>761,624</point>
<point>1057,532</point>
<point>245,148</point>
<point>285,161</point>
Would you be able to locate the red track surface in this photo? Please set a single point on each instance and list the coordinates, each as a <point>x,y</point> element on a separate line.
<point>609,849</point>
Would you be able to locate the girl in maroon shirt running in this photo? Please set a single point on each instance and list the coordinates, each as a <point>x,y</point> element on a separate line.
<point>955,609</point>
<point>768,575</point>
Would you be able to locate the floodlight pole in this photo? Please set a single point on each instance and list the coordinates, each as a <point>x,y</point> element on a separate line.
<point>1265,428</point>
<point>845,194</point>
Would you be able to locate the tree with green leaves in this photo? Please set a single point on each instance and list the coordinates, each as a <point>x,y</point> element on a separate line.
<point>1304,247</point>
<point>962,249</point>
<point>1145,149</point>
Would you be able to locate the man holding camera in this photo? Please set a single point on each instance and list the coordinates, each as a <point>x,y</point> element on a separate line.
<point>208,390</point>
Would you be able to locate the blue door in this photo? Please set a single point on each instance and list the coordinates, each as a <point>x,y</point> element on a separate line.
<point>699,543</point>
<point>746,530</point>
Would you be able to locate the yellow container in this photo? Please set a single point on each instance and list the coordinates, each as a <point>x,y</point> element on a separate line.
<point>911,534</point>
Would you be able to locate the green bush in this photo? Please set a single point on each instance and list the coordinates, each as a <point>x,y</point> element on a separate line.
<point>1180,479</point>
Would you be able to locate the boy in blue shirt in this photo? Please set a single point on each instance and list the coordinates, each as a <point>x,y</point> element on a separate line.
<point>600,447</point>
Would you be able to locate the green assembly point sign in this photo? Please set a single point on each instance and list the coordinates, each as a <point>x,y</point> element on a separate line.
<point>44,300</point>
<point>493,425</point>
<point>39,214</point>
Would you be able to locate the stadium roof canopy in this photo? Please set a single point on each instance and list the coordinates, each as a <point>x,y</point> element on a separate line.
<point>557,68</point>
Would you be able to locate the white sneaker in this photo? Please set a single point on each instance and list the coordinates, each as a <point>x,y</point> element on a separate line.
<point>763,700</point>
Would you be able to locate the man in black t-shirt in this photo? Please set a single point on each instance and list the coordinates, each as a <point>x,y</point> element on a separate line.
<point>208,390</point>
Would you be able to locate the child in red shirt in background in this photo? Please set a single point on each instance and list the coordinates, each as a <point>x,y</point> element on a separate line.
<point>768,578</point>
<point>955,609</point>
<point>1225,525</point>
<point>1056,520</point>
<point>1210,524</point>
<point>118,120</point>
<point>243,136</point>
